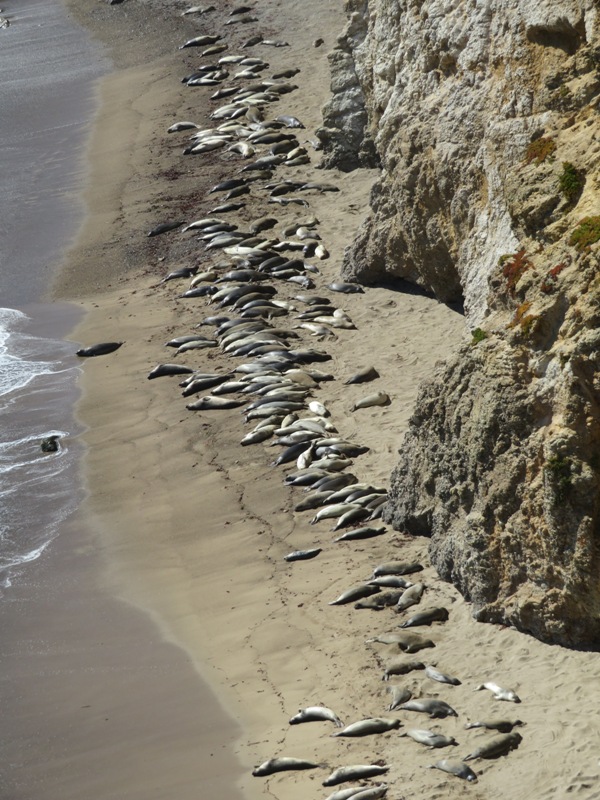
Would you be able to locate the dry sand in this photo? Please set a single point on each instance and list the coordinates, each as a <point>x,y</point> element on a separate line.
<point>194,527</point>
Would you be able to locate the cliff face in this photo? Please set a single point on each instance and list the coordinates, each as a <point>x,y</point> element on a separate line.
<point>484,117</point>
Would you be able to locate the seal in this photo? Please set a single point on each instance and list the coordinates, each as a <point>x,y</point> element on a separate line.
<point>302,555</point>
<point>397,568</point>
<point>410,597</point>
<point>500,693</point>
<point>50,444</point>
<point>426,617</point>
<point>430,738</point>
<point>169,369</point>
<point>354,791</point>
<point>399,695</point>
<point>458,768</point>
<point>407,642</point>
<point>500,725</point>
<point>281,765</point>
<point>165,227</point>
<point>377,399</point>
<point>441,677</point>
<point>496,747</point>
<point>358,534</point>
<point>368,727</point>
<point>363,376</point>
<point>316,714</point>
<point>401,668</point>
<point>100,349</point>
<point>357,593</point>
<point>210,403</point>
<point>356,772</point>
<point>437,709</point>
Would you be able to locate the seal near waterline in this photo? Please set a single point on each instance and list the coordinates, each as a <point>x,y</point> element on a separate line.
<point>458,768</point>
<point>281,765</point>
<point>316,714</point>
<point>100,349</point>
<point>50,444</point>
<point>368,727</point>
<point>165,227</point>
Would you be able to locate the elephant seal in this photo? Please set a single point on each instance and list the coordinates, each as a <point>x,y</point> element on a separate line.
<point>410,597</point>
<point>302,555</point>
<point>210,403</point>
<point>368,727</point>
<point>377,399</point>
<point>50,444</point>
<point>400,694</point>
<point>458,768</point>
<point>430,738</point>
<point>441,677</point>
<point>437,709</point>
<point>164,227</point>
<point>345,288</point>
<point>500,693</point>
<point>397,568</point>
<point>356,772</point>
<point>316,714</point>
<point>101,349</point>
<point>281,765</point>
<point>363,376</point>
<point>352,595</point>
<point>496,747</point>
<point>169,369</point>
<point>426,617</point>
<point>358,534</point>
<point>500,725</point>
<point>401,668</point>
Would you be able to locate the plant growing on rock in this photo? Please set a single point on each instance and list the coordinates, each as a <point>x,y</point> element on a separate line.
<point>549,283</point>
<point>478,336</point>
<point>571,182</point>
<point>539,150</point>
<point>558,469</point>
<point>586,233</point>
<point>514,267</point>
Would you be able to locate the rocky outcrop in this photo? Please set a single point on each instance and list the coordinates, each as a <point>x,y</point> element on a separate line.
<point>454,92</point>
<point>484,116</point>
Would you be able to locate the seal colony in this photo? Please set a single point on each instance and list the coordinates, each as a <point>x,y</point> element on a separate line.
<point>253,286</point>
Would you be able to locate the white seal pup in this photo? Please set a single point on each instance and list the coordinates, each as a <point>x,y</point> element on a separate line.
<point>500,693</point>
<point>316,714</point>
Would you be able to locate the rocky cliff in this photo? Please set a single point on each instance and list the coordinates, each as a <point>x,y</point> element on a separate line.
<point>484,118</point>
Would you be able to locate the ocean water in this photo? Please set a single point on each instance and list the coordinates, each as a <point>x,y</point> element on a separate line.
<point>49,67</point>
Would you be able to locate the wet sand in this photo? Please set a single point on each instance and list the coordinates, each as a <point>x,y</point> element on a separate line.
<point>194,527</point>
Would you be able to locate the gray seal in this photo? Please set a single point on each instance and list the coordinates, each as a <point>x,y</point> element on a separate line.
<point>100,349</point>
<point>281,765</point>
<point>368,727</point>
<point>496,747</point>
<point>356,772</point>
<point>458,768</point>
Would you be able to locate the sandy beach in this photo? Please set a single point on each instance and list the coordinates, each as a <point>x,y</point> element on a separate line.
<point>190,528</point>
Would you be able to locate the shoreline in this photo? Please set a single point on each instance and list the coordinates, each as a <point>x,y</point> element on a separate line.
<point>194,528</point>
